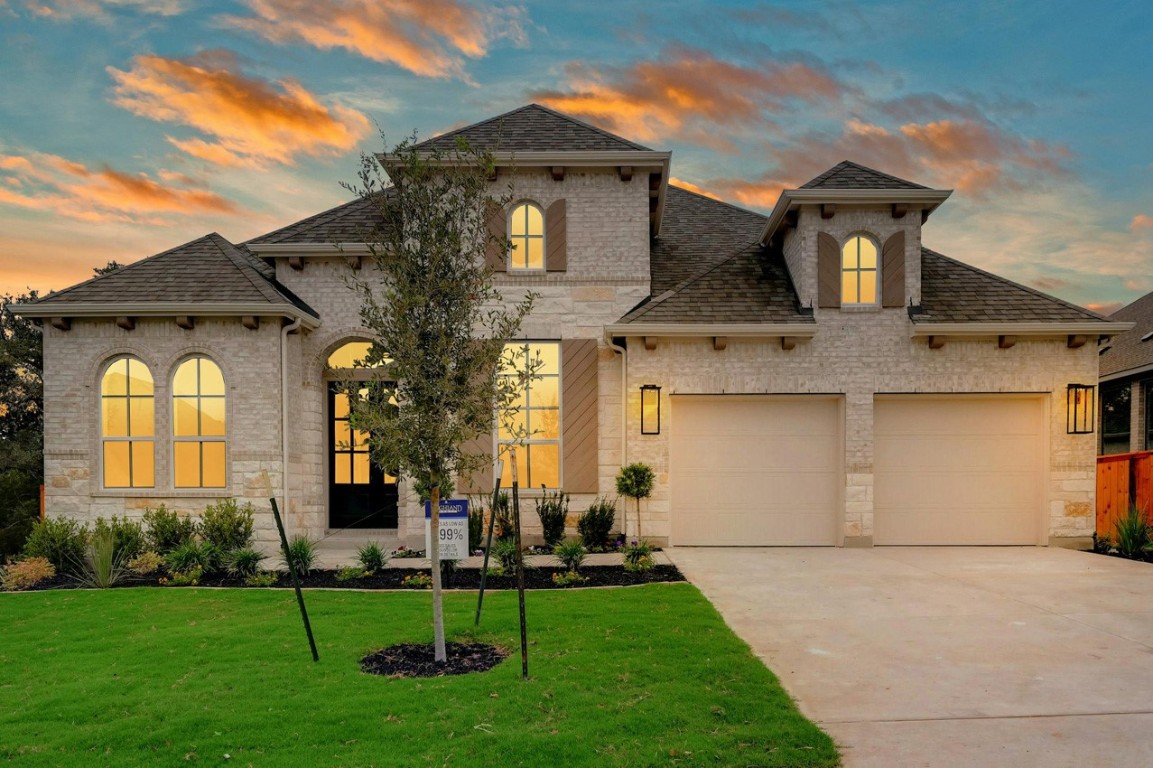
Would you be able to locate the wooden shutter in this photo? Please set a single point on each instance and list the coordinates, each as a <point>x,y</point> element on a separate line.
<point>481,480</point>
<point>496,256</point>
<point>893,271</point>
<point>828,271</point>
<point>580,415</point>
<point>556,253</point>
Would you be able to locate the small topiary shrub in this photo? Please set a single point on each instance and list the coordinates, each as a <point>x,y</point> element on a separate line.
<point>59,541</point>
<point>571,554</point>
<point>636,482</point>
<point>243,563</point>
<point>371,557</point>
<point>301,555</point>
<point>596,524</point>
<point>146,563</point>
<point>165,530</point>
<point>26,574</point>
<point>127,536</point>
<point>552,508</point>
<point>227,525</point>
<point>194,555</point>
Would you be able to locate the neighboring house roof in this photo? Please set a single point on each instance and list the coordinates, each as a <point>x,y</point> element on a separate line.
<point>1128,351</point>
<point>708,268</point>
<point>209,270</point>
<point>533,128</point>
<point>352,222</point>
<point>954,292</point>
<point>849,175</point>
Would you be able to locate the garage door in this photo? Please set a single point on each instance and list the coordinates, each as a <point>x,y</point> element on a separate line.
<point>755,470</point>
<point>958,470</point>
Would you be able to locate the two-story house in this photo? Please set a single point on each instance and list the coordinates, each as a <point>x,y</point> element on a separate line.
<point>813,377</point>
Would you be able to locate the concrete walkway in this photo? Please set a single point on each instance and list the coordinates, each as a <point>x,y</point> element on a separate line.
<point>949,656</point>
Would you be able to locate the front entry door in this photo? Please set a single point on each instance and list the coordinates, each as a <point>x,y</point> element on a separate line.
<point>360,495</point>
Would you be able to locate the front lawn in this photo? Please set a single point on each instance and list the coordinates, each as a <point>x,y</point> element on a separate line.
<point>620,677</point>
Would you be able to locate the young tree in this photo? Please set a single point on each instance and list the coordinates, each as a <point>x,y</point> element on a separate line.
<point>21,424</point>
<point>439,322</point>
<point>636,482</point>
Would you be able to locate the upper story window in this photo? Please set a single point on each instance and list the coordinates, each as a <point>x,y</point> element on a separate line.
<point>352,355</point>
<point>526,232</point>
<point>538,414</point>
<point>127,425</point>
<point>198,424</point>
<point>859,271</point>
<point>1115,413</point>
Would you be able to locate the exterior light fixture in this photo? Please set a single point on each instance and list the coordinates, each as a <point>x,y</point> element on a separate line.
<point>1081,414</point>
<point>650,409</point>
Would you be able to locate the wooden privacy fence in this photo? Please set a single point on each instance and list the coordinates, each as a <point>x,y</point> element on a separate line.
<point>1122,480</point>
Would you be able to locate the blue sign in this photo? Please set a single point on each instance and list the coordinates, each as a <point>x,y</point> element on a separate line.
<point>449,508</point>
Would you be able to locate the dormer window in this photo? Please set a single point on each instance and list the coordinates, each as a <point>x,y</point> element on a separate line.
<point>526,233</point>
<point>859,271</point>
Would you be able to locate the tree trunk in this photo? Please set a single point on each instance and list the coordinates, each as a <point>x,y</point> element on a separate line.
<point>434,557</point>
<point>638,518</point>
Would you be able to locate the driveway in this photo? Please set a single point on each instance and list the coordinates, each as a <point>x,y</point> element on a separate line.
<point>950,656</point>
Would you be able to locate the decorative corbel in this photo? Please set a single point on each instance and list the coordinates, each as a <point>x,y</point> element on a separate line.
<point>828,210</point>
<point>558,173</point>
<point>251,322</point>
<point>936,342</point>
<point>61,323</point>
<point>125,322</point>
<point>187,322</point>
<point>625,172</point>
<point>720,343</point>
<point>1006,342</point>
<point>650,343</point>
<point>1076,341</point>
<point>788,343</point>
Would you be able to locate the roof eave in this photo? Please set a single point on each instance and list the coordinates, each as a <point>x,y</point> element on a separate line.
<point>1128,372</point>
<point>929,199</point>
<point>310,249</point>
<point>165,309</point>
<point>806,329</point>
<point>1076,327</point>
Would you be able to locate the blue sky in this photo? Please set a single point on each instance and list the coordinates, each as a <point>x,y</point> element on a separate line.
<point>131,126</point>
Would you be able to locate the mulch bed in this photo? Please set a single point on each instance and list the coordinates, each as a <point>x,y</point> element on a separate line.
<point>391,578</point>
<point>411,660</point>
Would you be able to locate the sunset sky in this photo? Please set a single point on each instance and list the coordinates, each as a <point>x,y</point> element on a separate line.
<point>131,126</point>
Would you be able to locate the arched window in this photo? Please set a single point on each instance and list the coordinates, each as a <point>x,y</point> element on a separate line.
<point>859,271</point>
<point>352,354</point>
<point>526,232</point>
<point>198,424</point>
<point>127,425</point>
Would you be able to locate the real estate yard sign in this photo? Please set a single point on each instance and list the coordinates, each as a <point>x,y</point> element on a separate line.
<point>453,528</point>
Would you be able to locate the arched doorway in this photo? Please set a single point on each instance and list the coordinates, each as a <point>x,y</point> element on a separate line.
<point>360,494</point>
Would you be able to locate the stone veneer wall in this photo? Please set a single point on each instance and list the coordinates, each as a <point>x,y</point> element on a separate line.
<point>859,353</point>
<point>608,263</point>
<point>73,363</point>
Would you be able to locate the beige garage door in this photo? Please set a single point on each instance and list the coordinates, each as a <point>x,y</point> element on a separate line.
<point>958,470</point>
<point>755,470</point>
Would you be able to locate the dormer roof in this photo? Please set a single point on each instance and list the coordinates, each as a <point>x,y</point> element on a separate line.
<point>533,128</point>
<point>849,175</point>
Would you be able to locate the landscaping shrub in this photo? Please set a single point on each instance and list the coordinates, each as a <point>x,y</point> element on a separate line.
<point>638,557</point>
<point>475,527</point>
<point>127,535</point>
<point>371,557</point>
<point>1102,545</point>
<point>26,574</point>
<point>244,562</point>
<point>59,541</point>
<point>571,554</point>
<point>636,482</point>
<point>552,508</point>
<point>189,578</point>
<point>506,554</point>
<point>568,579</point>
<point>505,525</point>
<point>165,530</point>
<point>227,525</point>
<point>1134,534</point>
<point>145,563</point>
<point>417,581</point>
<point>595,525</point>
<point>101,566</point>
<point>301,555</point>
<point>404,552</point>
<point>350,573</point>
<point>262,579</point>
<point>194,555</point>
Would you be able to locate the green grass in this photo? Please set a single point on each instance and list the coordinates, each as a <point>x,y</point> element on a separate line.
<point>156,677</point>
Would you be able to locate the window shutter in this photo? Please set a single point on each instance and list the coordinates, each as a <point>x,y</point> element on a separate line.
<point>482,479</point>
<point>893,271</point>
<point>496,256</point>
<point>828,271</point>
<point>556,253</point>
<point>579,409</point>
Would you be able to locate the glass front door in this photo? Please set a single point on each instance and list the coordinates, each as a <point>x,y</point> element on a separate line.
<point>360,495</point>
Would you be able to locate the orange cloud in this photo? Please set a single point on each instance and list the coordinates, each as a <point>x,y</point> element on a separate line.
<point>253,122</point>
<point>691,187</point>
<point>1106,308</point>
<point>66,10</point>
<point>426,37</point>
<point>692,95</point>
<point>54,184</point>
<point>1141,222</point>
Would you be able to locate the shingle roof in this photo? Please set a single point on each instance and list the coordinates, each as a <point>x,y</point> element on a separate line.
<point>350,222</point>
<point>210,270</point>
<point>708,268</point>
<point>848,175</point>
<point>533,128</point>
<point>953,292</point>
<point>1127,351</point>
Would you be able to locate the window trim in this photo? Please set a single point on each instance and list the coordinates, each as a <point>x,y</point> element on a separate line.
<point>198,438</point>
<point>509,265</point>
<point>876,302</point>
<point>530,441</point>
<point>1106,392</point>
<point>129,438</point>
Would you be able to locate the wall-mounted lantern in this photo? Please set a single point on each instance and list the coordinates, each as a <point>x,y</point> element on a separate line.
<point>650,409</point>
<point>1081,414</point>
